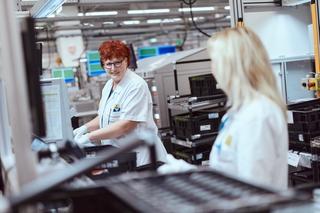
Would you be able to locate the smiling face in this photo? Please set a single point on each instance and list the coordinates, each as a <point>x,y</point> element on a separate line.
<point>116,68</point>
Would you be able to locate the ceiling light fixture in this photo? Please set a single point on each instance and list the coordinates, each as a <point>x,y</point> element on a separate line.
<point>108,22</point>
<point>101,13</point>
<point>167,20</point>
<point>44,8</point>
<point>227,7</point>
<point>154,21</point>
<point>131,22</point>
<point>196,18</point>
<point>194,9</point>
<point>148,11</point>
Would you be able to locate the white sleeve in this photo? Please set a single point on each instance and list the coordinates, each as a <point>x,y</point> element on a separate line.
<point>136,105</point>
<point>256,151</point>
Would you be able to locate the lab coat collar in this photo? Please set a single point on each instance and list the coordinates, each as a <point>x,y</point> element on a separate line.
<point>123,81</point>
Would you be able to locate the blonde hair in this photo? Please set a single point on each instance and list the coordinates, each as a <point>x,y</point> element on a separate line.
<point>241,67</point>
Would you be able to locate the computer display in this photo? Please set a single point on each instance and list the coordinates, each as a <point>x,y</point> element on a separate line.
<point>57,110</point>
<point>93,64</point>
<point>65,73</point>
<point>33,70</point>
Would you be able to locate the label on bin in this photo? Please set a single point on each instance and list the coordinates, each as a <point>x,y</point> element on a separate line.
<point>290,117</point>
<point>300,137</point>
<point>199,156</point>
<point>205,127</point>
<point>293,159</point>
<point>213,115</point>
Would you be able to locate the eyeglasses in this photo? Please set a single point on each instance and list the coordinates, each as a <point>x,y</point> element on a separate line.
<point>116,64</point>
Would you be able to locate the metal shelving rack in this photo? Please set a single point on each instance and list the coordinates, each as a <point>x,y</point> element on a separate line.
<point>187,104</point>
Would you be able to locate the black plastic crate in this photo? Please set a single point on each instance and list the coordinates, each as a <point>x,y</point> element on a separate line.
<point>298,146</point>
<point>303,137</point>
<point>301,177</point>
<point>120,164</point>
<point>305,112</point>
<point>194,158</point>
<point>204,123</point>
<point>203,85</point>
<point>304,127</point>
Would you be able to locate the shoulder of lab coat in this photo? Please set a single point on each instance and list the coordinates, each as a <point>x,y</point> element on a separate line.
<point>262,143</point>
<point>138,103</point>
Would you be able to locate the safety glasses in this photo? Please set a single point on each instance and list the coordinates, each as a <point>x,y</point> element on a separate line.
<point>116,64</point>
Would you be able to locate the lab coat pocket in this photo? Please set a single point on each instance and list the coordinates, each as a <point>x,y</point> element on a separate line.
<point>114,116</point>
<point>227,154</point>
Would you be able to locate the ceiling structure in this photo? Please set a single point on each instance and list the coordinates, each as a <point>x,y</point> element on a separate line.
<point>141,22</point>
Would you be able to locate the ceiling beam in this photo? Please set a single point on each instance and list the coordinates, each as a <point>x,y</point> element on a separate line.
<point>131,16</point>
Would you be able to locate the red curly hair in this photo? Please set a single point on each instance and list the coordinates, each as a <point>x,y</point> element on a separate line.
<point>114,49</point>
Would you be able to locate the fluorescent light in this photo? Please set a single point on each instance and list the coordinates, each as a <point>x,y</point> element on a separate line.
<point>131,22</point>
<point>39,27</point>
<point>148,11</point>
<point>154,21</point>
<point>44,8</point>
<point>167,20</point>
<point>227,17</point>
<point>227,7</point>
<point>108,22</point>
<point>171,20</point>
<point>218,15</point>
<point>196,18</point>
<point>80,14</point>
<point>153,40</point>
<point>196,9</point>
<point>102,13</point>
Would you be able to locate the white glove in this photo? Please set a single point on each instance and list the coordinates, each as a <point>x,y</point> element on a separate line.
<point>83,140</point>
<point>80,131</point>
<point>174,165</point>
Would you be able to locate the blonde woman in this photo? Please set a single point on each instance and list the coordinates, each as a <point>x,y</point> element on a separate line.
<point>253,138</point>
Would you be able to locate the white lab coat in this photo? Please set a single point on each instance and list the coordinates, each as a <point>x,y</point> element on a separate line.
<point>253,144</point>
<point>131,100</point>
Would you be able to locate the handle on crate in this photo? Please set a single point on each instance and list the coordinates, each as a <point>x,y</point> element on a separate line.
<point>197,136</point>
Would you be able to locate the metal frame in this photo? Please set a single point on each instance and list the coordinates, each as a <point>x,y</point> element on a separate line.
<point>14,76</point>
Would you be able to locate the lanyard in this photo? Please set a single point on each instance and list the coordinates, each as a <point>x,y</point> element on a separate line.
<point>104,109</point>
<point>221,126</point>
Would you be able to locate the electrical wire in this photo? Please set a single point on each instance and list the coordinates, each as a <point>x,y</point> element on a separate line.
<point>185,28</point>
<point>192,17</point>
<point>49,49</point>
<point>187,3</point>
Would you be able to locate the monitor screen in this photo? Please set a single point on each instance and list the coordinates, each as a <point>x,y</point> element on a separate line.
<point>65,73</point>
<point>33,69</point>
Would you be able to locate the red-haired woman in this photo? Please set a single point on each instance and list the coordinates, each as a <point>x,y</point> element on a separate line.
<point>125,107</point>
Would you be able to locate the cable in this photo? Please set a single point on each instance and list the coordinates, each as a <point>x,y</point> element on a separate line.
<point>192,18</point>
<point>185,28</point>
<point>49,49</point>
<point>187,3</point>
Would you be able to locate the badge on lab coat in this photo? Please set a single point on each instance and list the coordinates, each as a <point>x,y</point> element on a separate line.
<point>116,108</point>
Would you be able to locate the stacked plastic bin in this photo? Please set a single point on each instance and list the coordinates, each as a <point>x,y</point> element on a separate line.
<point>198,127</point>
<point>304,129</point>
